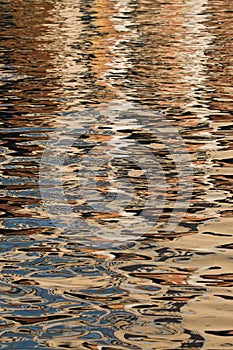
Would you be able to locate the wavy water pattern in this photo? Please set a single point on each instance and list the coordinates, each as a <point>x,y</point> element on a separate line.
<point>166,290</point>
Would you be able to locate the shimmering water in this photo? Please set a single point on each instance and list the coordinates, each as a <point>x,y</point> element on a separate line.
<point>165,290</point>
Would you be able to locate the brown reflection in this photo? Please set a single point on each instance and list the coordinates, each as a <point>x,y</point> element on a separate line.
<point>100,50</point>
<point>29,101</point>
<point>29,89</point>
<point>220,62</point>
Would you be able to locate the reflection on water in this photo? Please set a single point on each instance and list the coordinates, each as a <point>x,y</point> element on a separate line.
<point>164,291</point>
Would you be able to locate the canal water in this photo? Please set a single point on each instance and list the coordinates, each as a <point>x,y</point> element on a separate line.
<point>116,174</point>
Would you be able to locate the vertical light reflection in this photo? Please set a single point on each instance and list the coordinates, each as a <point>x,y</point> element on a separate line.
<point>69,64</point>
<point>88,40</point>
<point>193,57</point>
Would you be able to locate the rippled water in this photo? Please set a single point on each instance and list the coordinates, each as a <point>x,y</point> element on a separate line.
<point>166,290</point>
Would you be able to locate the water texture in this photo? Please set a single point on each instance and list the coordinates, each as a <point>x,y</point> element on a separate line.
<point>165,290</point>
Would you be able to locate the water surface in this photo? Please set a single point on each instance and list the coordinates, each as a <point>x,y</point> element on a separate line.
<point>163,291</point>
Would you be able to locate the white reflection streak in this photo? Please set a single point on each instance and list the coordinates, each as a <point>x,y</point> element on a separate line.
<point>196,42</point>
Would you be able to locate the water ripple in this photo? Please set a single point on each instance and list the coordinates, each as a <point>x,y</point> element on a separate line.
<point>163,291</point>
